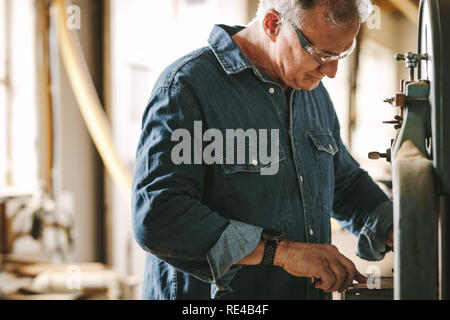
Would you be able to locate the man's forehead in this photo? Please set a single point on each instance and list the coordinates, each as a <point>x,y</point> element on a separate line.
<point>318,17</point>
<point>326,36</point>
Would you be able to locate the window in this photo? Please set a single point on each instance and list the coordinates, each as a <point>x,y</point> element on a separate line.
<point>18,154</point>
<point>3,91</point>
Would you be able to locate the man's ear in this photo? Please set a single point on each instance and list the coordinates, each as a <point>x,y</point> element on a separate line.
<point>272,24</point>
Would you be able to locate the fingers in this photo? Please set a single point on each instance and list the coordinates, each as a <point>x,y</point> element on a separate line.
<point>324,262</point>
<point>333,277</point>
<point>360,278</point>
<point>341,275</point>
<point>326,276</point>
<point>330,282</point>
<point>350,275</point>
<point>351,272</point>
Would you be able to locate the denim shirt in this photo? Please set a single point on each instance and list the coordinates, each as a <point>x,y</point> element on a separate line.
<point>196,221</point>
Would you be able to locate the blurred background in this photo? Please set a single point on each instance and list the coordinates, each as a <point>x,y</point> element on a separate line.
<point>65,230</point>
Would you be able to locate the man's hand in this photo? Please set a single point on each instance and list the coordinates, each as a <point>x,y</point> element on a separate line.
<point>320,261</point>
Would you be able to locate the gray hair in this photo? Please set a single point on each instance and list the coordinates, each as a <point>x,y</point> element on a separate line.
<point>340,12</point>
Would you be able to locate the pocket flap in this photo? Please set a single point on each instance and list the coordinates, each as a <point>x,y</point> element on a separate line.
<point>324,142</point>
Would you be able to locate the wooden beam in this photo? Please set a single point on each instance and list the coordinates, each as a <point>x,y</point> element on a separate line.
<point>409,8</point>
<point>45,106</point>
<point>7,27</point>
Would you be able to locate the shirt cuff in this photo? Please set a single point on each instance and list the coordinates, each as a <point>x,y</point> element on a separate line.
<point>372,238</point>
<point>238,241</point>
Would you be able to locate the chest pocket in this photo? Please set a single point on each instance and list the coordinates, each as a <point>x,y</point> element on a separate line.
<point>257,193</point>
<point>325,148</point>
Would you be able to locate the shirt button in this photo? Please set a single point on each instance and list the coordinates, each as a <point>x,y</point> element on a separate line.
<point>301,179</point>
<point>311,232</point>
<point>255,162</point>
<point>272,90</point>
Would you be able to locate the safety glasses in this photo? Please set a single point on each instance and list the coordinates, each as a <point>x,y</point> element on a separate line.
<point>316,54</point>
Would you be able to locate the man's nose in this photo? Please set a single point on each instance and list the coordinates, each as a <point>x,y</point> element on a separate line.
<point>329,69</point>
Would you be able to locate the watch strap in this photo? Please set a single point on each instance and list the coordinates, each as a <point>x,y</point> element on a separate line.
<point>271,240</point>
<point>269,252</point>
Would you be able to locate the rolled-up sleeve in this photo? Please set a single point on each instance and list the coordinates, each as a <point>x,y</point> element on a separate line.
<point>372,238</point>
<point>168,217</point>
<point>236,242</point>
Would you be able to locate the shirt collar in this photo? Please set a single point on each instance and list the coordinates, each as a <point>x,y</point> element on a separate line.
<point>227,51</point>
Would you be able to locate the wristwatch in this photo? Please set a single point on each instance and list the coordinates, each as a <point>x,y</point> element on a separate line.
<point>271,240</point>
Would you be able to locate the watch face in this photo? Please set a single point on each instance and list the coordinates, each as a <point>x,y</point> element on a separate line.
<point>272,234</point>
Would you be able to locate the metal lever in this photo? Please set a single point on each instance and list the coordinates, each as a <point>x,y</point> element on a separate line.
<point>411,61</point>
<point>378,155</point>
<point>397,101</point>
<point>398,122</point>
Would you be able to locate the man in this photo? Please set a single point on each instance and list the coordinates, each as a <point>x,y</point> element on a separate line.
<point>226,230</point>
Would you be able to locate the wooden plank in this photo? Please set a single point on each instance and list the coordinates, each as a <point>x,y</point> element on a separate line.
<point>409,8</point>
<point>46,129</point>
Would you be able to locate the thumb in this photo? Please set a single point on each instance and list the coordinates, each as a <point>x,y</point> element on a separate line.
<point>360,278</point>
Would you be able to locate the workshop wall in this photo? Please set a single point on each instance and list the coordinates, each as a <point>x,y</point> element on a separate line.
<point>127,43</point>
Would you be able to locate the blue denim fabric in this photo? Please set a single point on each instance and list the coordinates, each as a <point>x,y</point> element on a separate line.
<point>197,221</point>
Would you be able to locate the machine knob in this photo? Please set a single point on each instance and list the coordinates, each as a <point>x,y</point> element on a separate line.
<point>397,101</point>
<point>378,155</point>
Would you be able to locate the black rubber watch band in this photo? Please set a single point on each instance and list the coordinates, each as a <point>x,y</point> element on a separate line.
<point>271,240</point>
